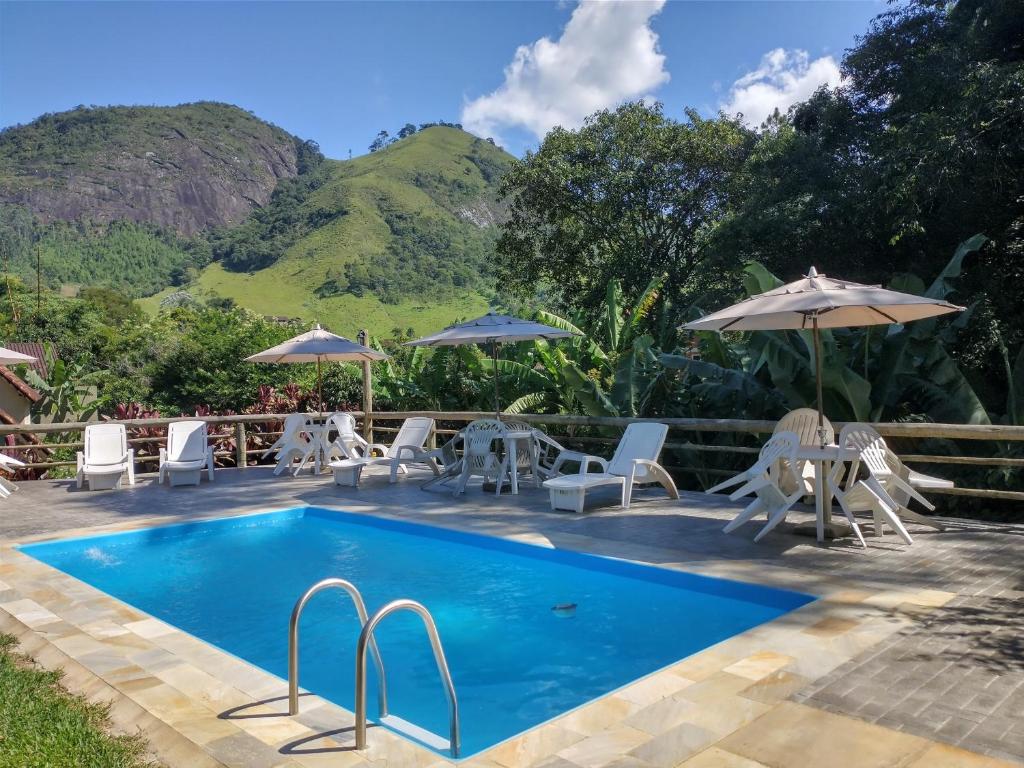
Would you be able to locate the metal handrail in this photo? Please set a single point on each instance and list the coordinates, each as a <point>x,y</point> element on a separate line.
<point>366,639</point>
<point>293,641</point>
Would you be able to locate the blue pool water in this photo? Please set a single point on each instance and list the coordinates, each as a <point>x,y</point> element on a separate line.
<point>516,663</point>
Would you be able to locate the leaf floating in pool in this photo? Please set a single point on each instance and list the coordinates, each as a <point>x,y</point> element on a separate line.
<point>564,610</point>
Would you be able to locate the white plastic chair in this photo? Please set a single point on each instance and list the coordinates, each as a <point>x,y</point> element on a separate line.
<point>187,454</point>
<point>106,458</point>
<point>479,458</point>
<point>408,448</point>
<point>347,444</point>
<point>635,461</point>
<point>293,444</point>
<point>883,492</point>
<point>762,479</point>
<point>447,460</point>
<point>803,422</point>
<point>8,464</point>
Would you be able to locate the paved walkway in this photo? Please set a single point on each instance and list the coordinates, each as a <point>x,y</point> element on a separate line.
<point>954,672</point>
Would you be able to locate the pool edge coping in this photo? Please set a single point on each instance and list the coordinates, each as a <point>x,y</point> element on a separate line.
<point>834,600</point>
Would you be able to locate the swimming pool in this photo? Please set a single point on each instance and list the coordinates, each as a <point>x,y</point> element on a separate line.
<point>515,661</point>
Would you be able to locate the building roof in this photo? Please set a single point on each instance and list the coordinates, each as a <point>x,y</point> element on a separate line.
<point>22,388</point>
<point>36,350</point>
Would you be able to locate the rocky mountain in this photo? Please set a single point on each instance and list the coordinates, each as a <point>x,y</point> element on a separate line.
<point>184,169</point>
<point>204,202</point>
<point>400,238</point>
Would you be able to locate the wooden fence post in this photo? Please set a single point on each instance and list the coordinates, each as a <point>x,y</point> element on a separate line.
<point>241,458</point>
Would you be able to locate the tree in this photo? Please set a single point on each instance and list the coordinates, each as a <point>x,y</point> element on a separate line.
<point>382,140</point>
<point>921,148</point>
<point>631,195</point>
<point>407,130</point>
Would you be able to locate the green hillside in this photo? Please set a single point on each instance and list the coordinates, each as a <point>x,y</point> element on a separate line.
<point>402,238</point>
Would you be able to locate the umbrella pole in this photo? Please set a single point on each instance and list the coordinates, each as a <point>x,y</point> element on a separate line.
<point>319,387</point>
<point>497,401</point>
<point>817,372</point>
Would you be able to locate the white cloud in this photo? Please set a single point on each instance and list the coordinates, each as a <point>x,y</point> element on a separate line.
<point>782,79</point>
<point>607,53</point>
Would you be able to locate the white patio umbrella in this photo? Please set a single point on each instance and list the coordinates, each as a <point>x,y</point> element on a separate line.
<point>494,330</point>
<point>10,357</point>
<point>817,302</point>
<point>317,346</point>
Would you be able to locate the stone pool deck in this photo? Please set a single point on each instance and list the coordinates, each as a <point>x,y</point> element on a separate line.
<point>914,656</point>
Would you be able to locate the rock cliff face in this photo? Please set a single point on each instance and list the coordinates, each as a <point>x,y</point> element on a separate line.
<point>185,168</point>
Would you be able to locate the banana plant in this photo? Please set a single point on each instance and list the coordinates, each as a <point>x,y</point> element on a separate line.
<point>68,394</point>
<point>613,371</point>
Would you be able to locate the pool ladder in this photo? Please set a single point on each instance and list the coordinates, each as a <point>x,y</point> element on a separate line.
<point>366,643</point>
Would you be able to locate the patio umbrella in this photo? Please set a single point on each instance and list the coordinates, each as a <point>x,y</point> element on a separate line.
<point>494,330</point>
<point>316,346</point>
<point>817,302</point>
<point>10,357</point>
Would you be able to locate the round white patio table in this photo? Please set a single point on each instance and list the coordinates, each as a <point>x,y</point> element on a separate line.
<point>822,457</point>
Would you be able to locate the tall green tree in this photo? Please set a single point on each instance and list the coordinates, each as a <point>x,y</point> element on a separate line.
<point>630,196</point>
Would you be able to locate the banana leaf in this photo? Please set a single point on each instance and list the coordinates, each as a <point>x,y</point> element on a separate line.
<point>630,376</point>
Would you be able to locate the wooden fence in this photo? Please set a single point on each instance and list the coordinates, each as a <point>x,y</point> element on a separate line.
<point>686,438</point>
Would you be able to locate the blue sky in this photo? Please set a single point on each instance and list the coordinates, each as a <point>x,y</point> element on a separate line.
<point>339,72</point>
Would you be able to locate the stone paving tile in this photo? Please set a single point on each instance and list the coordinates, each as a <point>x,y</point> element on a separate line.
<point>822,739</point>
<point>933,631</point>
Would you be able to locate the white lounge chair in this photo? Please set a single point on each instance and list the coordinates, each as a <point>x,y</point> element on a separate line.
<point>634,461</point>
<point>803,422</point>
<point>479,456</point>
<point>106,458</point>
<point>187,454</point>
<point>883,493</point>
<point>408,448</point>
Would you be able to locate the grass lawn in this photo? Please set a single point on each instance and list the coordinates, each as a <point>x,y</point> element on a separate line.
<point>44,726</point>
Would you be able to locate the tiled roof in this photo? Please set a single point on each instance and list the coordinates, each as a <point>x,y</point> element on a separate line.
<point>36,350</point>
<point>15,381</point>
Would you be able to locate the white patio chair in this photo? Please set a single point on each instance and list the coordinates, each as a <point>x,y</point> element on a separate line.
<point>803,422</point>
<point>187,454</point>
<point>551,455</point>
<point>8,464</point>
<point>347,444</point>
<point>106,458</point>
<point>408,448</point>
<point>918,481</point>
<point>883,493</point>
<point>479,457</point>
<point>448,460</point>
<point>635,461</point>
<point>293,444</point>
<point>762,479</point>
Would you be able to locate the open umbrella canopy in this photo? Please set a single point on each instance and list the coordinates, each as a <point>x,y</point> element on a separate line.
<point>494,330</point>
<point>817,302</point>
<point>10,357</point>
<point>316,346</point>
<point>831,303</point>
<point>491,329</point>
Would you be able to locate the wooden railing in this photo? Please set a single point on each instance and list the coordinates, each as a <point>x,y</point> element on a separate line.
<point>576,431</point>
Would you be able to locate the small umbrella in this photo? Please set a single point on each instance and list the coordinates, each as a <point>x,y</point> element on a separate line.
<point>494,330</point>
<point>10,357</point>
<point>817,302</point>
<point>316,346</point>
